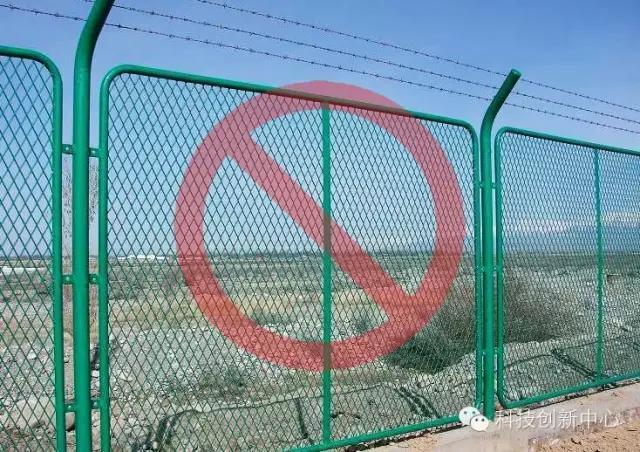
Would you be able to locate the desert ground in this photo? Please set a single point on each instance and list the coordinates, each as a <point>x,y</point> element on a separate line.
<point>176,383</point>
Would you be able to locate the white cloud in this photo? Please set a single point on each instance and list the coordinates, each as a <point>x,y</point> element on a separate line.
<point>557,226</point>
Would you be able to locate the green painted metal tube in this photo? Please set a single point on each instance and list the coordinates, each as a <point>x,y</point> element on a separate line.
<point>499,271</point>
<point>103,273</point>
<point>509,404</point>
<point>56,225</point>
<point>488,238</point>
<point>80,221</point>
<point>477,274</point>
<point>252,87</point>
<point>327,273</point>
<point>367,437</point>
<point>567,140</point>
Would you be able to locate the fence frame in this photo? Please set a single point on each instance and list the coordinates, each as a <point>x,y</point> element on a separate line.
<point>56,233</point>
<point>325,101</point>
<point>599,381</point>
<point>488,243</point>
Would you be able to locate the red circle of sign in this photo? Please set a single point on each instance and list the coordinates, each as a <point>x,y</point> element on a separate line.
<point>406,313</point>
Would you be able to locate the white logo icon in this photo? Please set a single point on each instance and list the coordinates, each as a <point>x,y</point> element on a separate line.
<point>468,413</point>
<point>479,423</point>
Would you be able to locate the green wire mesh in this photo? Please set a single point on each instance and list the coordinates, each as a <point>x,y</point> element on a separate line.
<point>26,329</point>
<point>568,215</point>
<point>620,191</point>
<point>382,200</point>
<point>567,267</point>
<point>176,381</point>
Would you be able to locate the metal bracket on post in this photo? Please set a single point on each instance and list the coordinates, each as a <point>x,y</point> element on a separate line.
<point>488,239</point>
<point>68,150</point>
<point>70,405</point>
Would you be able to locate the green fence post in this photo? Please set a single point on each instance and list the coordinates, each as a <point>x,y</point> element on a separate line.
<point>488,238</point>
<point>80,221</point>
<point>326,273</point>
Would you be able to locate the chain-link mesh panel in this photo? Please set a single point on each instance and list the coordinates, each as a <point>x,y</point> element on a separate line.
<point>27,414</point>
<point>390,175</point>
<point>565,265</point>
<point>620,192</point>
<point>219,233</point>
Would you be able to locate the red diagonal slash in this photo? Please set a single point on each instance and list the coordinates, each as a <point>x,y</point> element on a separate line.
<point>406,313</point>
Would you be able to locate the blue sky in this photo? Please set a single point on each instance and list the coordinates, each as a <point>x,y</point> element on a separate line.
<point>591,47</point>
<point>588,46</point>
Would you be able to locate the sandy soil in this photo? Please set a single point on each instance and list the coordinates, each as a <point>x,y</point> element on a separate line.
<point>623,438</point>
<point>422,443</point>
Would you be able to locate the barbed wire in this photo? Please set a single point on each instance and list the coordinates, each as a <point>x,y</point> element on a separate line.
<point>344,34</point>
<point>306,61</point>
<point>298,43</point>
<point>408,50</point>
<point>365,58</point>
<point>245,49</point>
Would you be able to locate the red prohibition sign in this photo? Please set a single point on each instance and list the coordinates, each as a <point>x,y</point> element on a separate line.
<point>407,313</point>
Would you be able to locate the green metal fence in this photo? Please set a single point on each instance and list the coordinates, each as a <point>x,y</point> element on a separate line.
<point>277,269</point>
<point>567,259</point>
<point>305,232</point>
<point>31,335</point>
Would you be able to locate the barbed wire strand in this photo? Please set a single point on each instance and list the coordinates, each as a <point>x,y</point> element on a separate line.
<point>408,50</point>
<point>205,23</point>
<point>306,61</point>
